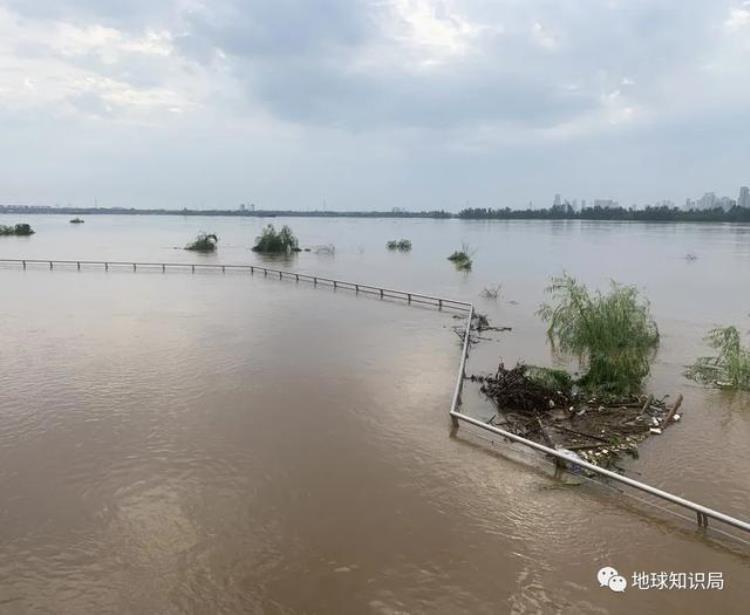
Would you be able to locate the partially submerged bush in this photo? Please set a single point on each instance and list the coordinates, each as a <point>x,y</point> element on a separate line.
<point>730,368</point>
<point>462,258</point>
<point>204,242</point>
<point>327,250</point>
<point>403,245</point>
<point>272,241</point>
<point>18,229</point>
<point>76,221</point>
<point>491,292</point>
<point>613,335</point>
<point>552,379</point>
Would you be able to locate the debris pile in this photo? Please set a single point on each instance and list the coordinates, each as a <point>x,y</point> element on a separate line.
<point>479,324</point>
<point>543,405</point>
<point>516,389</point>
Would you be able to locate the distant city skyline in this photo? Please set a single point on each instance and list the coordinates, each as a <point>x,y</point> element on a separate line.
<point>708,200</point>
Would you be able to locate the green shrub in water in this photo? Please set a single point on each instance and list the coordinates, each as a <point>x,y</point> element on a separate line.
<point>403,245</point>
<point>462,258</point>
<point>552,379</point>
<point>730,368</point>
<point>613,334</point>
<point>18,229</point>
<point>275,242</point>
<point>204,242</point>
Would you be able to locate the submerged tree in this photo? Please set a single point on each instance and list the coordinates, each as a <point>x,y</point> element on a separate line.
<point>491,292</point>
<point>462,258</point>
<point>18,229</point>
<point>730,368</point>
<point>613,335</point>
<point>403,245</point>
<point>204,242</point>
<point>24,229</point>
<point>272,241</point>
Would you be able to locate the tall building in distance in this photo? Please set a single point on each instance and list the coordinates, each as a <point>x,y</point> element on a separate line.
<point>707,201</point>
<point>558,200</point>
<point>725,203</point>
<point>744,199</point>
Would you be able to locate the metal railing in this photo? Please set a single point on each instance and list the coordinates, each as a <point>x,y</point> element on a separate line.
<point>382,292</point>
<point>462,367</point>
<point>703,513</point>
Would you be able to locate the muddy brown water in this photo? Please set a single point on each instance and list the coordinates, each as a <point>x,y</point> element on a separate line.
<point>203,443</point>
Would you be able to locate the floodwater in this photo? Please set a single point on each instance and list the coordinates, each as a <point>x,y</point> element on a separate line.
<point>177,443</point>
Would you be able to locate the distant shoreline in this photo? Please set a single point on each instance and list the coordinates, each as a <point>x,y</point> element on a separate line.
<point>235,213</point>
<point>649,214</point>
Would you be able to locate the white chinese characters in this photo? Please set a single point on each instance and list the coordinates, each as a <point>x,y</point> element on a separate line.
<point>678,580</point>
<point>661,580</point>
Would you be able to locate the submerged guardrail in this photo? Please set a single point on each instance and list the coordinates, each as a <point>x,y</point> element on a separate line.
<point>703,513</point>
<point>381,291</point>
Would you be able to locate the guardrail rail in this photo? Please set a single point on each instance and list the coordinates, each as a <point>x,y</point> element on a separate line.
<point>381,291</point>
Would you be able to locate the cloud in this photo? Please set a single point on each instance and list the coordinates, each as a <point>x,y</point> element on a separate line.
<point>434,32</point>
<point>88,68</point>
<point>133,13</point>
<point>543,37</point>
<point>492,91</point>
<point>410,63</point>
<point>739,17</point>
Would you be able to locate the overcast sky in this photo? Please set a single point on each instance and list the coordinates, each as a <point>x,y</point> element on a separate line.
<point>372,103</point>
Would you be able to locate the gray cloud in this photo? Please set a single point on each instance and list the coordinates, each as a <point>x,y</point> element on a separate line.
<point>317,94</point>
<point>304,69</point>
<point>131,13</point>
<point>281,28</point>
<point>496,103</point>
<point>300,60</point>
<point>90,103</point>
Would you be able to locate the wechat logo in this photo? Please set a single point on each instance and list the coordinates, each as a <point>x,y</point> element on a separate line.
<point>609,577</point>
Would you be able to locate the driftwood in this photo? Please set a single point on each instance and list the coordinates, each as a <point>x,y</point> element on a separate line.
<point>479,323</point>
<point>672,412</point>
<point>545,436</point>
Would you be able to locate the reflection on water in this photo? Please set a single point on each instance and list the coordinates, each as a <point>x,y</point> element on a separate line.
<point>204,443</point>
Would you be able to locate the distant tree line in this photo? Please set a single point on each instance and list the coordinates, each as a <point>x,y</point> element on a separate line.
<point>661,213</point>
<point>260,213</point>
